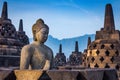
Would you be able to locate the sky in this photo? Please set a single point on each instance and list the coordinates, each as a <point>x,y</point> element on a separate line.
<point>65,18</point>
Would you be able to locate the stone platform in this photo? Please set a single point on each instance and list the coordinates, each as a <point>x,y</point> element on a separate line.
<point>83,74</point>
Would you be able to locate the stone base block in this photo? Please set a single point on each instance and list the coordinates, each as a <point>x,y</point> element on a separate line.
<point>6,74</point>
<point>63,74</point>
<point>28,74</point>
<point>79,74</point>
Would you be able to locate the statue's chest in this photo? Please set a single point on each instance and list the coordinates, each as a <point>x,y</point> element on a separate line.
<point>40,54</point>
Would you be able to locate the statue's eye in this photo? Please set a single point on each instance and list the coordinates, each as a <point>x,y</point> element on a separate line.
<point>44,32</point>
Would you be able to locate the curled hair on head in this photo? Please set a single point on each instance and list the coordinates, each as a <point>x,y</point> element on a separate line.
<point>40,21</point>
<point>37,27</point>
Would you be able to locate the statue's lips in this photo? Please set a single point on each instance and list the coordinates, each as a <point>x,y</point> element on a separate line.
<point>45,37</point>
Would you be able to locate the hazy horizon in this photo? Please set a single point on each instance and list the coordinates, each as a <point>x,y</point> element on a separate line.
<point>65,18</point>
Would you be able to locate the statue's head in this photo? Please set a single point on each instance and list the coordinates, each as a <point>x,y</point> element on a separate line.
<point>40,30</point>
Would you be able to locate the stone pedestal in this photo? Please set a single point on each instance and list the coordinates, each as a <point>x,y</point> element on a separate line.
<point>62,74</point>
<point>80,74</point>
<point>110,74</point>
<point>4,74</point>
<point>28,74</point>
<point>91,74</point>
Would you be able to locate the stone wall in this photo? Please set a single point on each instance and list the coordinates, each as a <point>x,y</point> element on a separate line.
<point>83,74</point>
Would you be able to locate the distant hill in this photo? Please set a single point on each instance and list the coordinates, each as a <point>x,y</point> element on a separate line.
<point>68,44</point>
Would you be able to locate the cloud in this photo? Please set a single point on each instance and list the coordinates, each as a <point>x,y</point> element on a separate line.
<point>63,23</point>
<point>70,4</point>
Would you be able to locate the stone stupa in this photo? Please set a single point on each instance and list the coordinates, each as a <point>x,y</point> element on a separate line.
<point>104,51</point>
<point>76,58</point>
<point>60,58</point>
<point>10,40</point>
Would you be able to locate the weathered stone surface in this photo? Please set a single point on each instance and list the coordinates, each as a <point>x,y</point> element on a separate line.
<point>109,18</point>
<point>60,58</point>
<point>28,74</point>
<point>62,74</point>
<point>98,74</point>
<point>85,74</point>
<point>6,74</point>
<point>92,74</point>
<point>11,41</point>
<point>110,74</point>
<point>76,58</point>
<point>80,74</point>
<point>37,55</point>
<point>104,51</point>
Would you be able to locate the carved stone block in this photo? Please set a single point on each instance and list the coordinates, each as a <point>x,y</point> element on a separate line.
<point>62,74</point>
<point>28,74</point>
<point>4,73</point>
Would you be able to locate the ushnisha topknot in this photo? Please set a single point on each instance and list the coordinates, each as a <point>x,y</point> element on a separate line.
<point>38,26</point>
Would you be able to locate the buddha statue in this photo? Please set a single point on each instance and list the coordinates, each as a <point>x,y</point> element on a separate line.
<point>37,55</point>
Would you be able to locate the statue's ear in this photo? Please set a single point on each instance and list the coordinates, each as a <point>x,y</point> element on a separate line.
<point>34,37</point>
<point>34,31</point>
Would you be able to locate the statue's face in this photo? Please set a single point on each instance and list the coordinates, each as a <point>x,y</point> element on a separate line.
<point>42,35</point>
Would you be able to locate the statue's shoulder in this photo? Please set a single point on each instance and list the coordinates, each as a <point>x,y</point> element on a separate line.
<point>50,52</point>
<point>28,47</point>
<point>49,49</point>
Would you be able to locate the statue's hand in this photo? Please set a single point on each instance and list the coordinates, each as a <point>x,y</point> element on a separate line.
<point>47,65</point>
